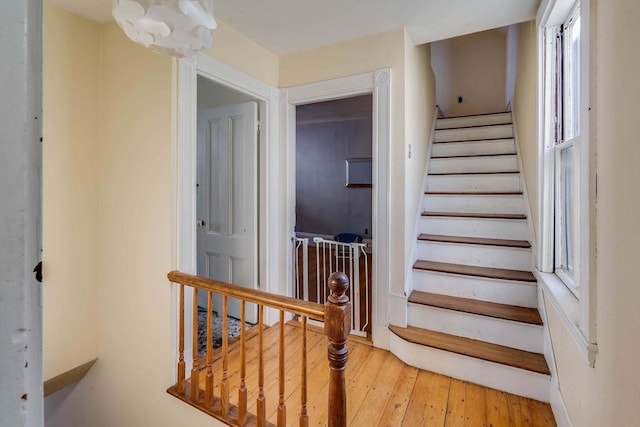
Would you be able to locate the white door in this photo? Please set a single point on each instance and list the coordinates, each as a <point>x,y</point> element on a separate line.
<point>227,198</point>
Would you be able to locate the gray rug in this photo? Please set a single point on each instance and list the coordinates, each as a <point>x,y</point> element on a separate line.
<point>233,325</point>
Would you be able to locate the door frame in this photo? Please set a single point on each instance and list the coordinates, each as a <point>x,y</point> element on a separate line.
<point>378,84</point>
<point>270,270</point>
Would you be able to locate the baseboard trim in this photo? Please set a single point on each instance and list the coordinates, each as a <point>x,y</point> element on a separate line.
<point>557,404</point>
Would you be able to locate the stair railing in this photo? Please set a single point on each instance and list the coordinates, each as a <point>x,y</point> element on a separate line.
<point>335,313</point>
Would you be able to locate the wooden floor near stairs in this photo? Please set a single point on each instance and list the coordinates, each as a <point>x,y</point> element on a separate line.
<point>381,389</point>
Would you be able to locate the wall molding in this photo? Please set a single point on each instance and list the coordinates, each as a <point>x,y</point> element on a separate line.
<point>185,111</point>
<point>377,83</point>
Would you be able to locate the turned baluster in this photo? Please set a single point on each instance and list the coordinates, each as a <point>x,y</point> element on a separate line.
<point>261,404</point>
<point>181,364</point>
<point>304,416</point>
<point>242,391</point>
<point>282,409</point>
<point>224,385</point>
<point>195,377</point>
<point>208,385</point>
<point>337,325</point>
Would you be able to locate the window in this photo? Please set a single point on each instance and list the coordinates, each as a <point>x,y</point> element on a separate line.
<point>567,139</point>
<point>566,198</point>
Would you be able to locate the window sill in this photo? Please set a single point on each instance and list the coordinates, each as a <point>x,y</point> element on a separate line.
<point>568,308</point>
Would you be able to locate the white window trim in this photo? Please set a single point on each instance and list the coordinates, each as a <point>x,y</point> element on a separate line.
<point>577,313</point>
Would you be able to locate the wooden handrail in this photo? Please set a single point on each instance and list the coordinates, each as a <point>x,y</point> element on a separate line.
<point>302,308</point>
<point>336,315</point>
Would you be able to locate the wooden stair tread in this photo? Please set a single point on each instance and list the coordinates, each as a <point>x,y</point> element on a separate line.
<point>495,113</point>
<point>472,155</point>
<point>476,215</point>
<point>475,241</point>
<point>473,193</point>
<point>483,308</point>
<point>473,173</point>
<point>471,140</point>
<point>476,126</point>
<point>529,361</point>
<point>470,270</point>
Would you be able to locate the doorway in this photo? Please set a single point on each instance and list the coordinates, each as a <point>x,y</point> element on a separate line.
<point>227,192</point>
<point>333,202</point>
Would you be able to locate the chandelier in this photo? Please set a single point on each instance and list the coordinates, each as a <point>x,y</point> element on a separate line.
<point>179,28</point>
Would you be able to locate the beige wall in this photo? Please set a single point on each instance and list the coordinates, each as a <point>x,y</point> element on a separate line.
<point>70,196</point>
<point>355,57</point>
<point>127,385</point>
<point>525,111</point>
<point>473,67</point>
<point>239,51</point>
<point>608,394</point>
<point>132,177</point>
<point>419,113</point>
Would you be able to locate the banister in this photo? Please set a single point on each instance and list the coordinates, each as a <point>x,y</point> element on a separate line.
<point>336,315</point>
<point>303,308</point>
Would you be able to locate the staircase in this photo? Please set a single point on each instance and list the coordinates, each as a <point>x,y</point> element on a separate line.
<point>472,313</point>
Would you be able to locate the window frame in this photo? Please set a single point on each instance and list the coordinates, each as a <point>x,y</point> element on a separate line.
<point>574,303</point>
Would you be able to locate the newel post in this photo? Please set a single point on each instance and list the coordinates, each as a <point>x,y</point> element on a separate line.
<point>337,325</point>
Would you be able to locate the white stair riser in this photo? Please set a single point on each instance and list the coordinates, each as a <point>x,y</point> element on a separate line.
<point>508,333</point>
<point>507,163</point>
<point>507,204</point>
<point>482,120</point>
<point>499,183</point>
<point>477,371</point>
<point>474,227</point>
<point>522,294</point>
<point>474,148</point>
<point>474,133</point>
<point>478,255</point>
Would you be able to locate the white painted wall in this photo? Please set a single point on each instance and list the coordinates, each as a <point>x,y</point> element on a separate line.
<point>607,394</point>
<point>420,94</point>
<point>213,95</point>
<point>511,64</point>
<point>473,67</point>
<point>20,213</point>
<point>524,106</point>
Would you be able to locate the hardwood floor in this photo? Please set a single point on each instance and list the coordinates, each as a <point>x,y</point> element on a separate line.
<point>381,389</point>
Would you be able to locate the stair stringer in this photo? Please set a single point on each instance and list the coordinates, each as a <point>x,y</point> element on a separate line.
<point>398,314</point>
<point>555,395</point>
<point>525,194</point>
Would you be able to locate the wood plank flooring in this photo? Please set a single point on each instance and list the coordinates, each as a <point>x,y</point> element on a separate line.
<point>381,389</point>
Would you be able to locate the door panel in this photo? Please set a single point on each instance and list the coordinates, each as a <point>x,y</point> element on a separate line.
<point>227,198</point>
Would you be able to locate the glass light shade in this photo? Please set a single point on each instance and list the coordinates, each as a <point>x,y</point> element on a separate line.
<point>180,28</point>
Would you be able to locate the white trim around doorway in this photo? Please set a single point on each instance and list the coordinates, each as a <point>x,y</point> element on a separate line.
<point>270,238</point>
<point>377,83</point>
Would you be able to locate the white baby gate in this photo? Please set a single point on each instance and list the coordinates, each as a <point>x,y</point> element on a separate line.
<point>332,256</point>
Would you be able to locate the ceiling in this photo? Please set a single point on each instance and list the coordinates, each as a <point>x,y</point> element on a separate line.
<point>288,26</point>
